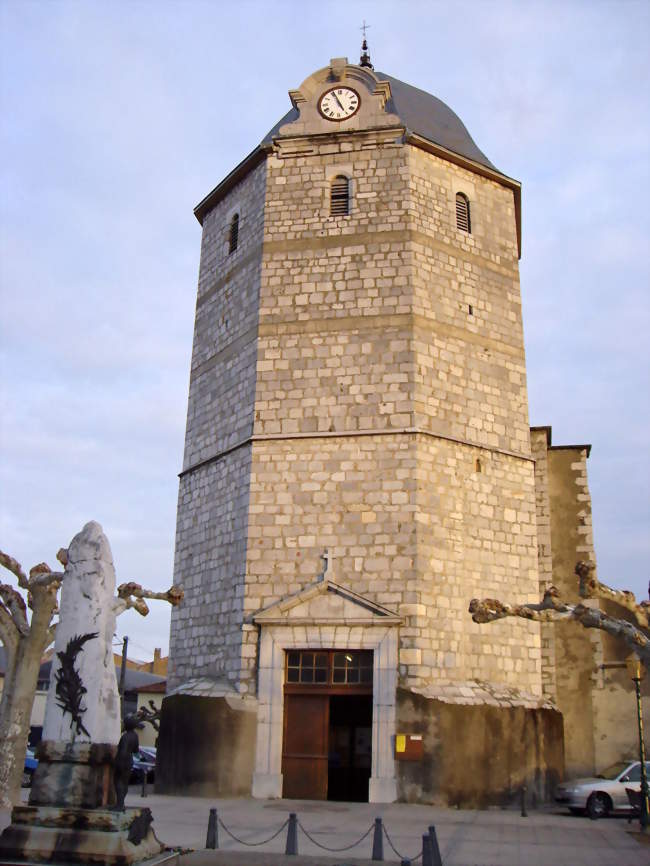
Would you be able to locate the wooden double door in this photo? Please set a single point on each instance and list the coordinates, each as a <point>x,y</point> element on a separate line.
<point>326,751</point>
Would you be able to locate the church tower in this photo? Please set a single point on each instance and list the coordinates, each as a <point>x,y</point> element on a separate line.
<point>358,466</point>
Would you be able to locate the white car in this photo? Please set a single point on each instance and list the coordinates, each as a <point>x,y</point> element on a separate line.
<point>599,795</point>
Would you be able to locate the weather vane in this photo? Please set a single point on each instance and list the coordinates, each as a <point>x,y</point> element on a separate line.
<point>365,57</point>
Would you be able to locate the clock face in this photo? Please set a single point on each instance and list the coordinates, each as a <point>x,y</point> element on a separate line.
<point>339,103</point>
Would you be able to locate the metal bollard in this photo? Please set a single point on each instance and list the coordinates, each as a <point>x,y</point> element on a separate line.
<point>212,838</point>
<point>292,835</point>
<point>405,863</point>
<point>427,859</point>
<point>524,813</point>
<point>378,841</point>
<point>143,792</point>
<point>436,859</point>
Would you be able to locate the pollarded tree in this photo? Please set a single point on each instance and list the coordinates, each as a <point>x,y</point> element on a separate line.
<point>25,638</point>
<point>552,608</point>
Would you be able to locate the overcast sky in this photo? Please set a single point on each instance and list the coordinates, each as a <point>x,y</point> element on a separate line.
<point>117,118</point>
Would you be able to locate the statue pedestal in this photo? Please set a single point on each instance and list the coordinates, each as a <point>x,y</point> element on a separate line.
<point>52,834</point>
<point>68,819</point>
<point>73,774</point>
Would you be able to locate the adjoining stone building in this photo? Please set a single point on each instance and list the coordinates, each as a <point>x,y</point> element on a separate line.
<point>358,465</point>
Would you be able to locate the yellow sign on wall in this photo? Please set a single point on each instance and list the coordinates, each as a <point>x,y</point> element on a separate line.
<point>400,743</point>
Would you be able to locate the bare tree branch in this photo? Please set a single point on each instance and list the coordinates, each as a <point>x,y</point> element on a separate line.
<point>591,587</point>
<point>150,715</point>
<point>9,634</point>
<point>15,568</point>
<point>132,595</point>
<point>15,604</point>
<point>551,609</point>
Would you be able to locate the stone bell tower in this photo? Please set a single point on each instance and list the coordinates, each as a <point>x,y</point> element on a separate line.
<point>358,386</point>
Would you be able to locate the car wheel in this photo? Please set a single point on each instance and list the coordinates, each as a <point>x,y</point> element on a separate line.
<point>26,780</point>
<point>598,806</point>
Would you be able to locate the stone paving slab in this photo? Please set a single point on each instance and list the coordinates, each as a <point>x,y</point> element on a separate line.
<point>547,837</point>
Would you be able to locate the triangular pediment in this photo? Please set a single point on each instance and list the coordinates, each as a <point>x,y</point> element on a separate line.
<point>326,603</point>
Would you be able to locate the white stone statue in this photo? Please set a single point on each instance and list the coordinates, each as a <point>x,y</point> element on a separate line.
<point>83,703</point>
<point>88,607</point>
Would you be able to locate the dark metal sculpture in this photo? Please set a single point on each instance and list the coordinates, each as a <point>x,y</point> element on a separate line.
<point>69,687</point>
<point>128,745</point>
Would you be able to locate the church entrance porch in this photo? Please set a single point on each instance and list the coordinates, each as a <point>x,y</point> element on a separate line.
<point>331,645</point>
<point>327,736</point>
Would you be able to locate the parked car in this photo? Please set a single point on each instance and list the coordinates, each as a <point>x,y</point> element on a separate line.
<point>144,762</point>
<point>31,763</point>
<point>604,793</point>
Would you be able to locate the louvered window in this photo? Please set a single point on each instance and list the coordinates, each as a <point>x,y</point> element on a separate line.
<point>340,196</point>
<point>462,213</point>
<point>233,238</point>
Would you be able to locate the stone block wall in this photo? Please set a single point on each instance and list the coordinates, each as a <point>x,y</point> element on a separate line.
<point>540,441</point>
<point>469,351</point>
<point>578,651</point>
<point>210,563</point>
<point>355,496</point>
<point>476,537</point>
<point>222,377</point>
<point>211,529</point>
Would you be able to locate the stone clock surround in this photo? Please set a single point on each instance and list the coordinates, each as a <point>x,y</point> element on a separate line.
<point>326,616</point>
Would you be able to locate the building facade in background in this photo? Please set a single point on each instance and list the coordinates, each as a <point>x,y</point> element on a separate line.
<point>359,465</point>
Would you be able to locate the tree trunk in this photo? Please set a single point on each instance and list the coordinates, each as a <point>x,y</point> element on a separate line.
<point>15,714</point>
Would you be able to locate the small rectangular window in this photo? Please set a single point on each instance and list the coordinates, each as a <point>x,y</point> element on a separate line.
<point>340,196</point>
<point>233,238</point>
<point>462,213</point>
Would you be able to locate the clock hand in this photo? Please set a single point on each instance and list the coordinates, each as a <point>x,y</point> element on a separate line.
<point>338,101</point>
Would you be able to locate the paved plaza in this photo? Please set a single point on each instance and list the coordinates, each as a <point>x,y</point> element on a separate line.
<point>547,837</point>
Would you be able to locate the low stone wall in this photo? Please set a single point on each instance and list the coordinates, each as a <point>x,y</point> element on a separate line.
<point>476,755</point>
<point>206,747</point>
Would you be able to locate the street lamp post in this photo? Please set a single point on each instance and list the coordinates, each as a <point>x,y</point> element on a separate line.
<point>636,671</point>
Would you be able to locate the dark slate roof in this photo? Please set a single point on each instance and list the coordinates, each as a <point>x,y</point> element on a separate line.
<point>422,114</point>
<point>429,117</point>
<point>133,680</point>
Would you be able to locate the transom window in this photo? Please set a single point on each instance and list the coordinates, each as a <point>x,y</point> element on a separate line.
<point>462,213</point>
<point>330,667</point>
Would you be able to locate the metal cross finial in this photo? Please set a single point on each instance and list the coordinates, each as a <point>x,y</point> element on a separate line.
<point>365,57</point>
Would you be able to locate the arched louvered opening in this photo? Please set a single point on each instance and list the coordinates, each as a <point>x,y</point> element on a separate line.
<point>462,213</point>
<point>233,238</point>
<point>340,196</point>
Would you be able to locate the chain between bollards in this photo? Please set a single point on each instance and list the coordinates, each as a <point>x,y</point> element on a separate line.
<point>212,838</point>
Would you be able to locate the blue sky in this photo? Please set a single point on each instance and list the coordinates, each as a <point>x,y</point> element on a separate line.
<point>117,118</point>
